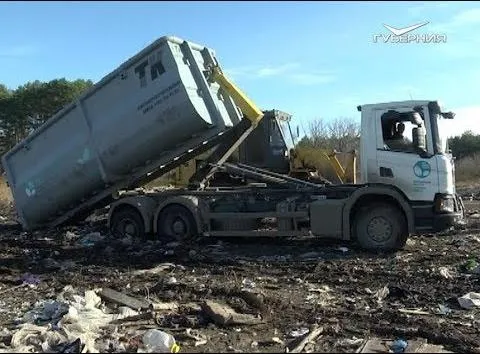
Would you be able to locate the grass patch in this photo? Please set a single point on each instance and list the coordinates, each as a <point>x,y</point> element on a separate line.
<point>467,170</point>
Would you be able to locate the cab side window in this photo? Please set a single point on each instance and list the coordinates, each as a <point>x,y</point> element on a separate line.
<point>398,132</point>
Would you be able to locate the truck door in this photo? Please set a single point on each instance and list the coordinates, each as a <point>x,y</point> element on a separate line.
<point>398,161</point>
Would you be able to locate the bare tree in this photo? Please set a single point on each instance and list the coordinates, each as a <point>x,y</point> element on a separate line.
<point>341,134</point>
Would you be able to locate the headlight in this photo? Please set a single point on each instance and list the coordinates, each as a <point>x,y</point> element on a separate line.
<point>445,204</point>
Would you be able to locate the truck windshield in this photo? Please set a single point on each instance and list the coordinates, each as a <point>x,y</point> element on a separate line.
<point>286,132</point>
<point>442,125</point>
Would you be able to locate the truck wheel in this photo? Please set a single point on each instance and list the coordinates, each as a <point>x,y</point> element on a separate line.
<point>380,227</point>
<point>127,222</point>
<point>176,222</point>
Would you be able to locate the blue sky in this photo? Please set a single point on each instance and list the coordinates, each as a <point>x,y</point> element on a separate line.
<point>311,59</point>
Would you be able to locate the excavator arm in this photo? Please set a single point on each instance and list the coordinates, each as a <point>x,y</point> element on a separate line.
<point>248,108</point>
<point>235,136</point>
<point>311,159</point>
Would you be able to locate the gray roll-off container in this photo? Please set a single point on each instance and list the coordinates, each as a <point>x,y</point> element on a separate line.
<point>155,107</point>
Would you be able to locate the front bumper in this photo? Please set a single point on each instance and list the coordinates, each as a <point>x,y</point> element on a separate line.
<point>456,218</point>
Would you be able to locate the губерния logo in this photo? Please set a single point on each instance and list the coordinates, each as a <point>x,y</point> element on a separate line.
<point>404,35</point>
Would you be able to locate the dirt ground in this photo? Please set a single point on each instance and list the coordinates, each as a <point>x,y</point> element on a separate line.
<point>285,288</point>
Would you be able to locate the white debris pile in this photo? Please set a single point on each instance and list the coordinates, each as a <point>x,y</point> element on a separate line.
<point>72,318</point>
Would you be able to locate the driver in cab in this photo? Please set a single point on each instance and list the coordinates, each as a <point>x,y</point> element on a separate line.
<point>398,141</point>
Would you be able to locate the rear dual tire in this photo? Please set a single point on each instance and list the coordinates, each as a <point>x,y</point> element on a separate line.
<point>175,223</point>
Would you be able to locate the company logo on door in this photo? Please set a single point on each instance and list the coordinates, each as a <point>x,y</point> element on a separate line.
<point>405,35</point>
<point>422,169</point>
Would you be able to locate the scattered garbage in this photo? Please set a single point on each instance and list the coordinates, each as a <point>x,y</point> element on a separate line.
<point>419,345</point>
<point>382,293</point>
<point>50,264</point>
<point>248,284</point>
<point>159,269</point>
<point>123,299</point>
<point>172,280</point>
<point>49,312</point>
<point>224,315</point>
<point>444,272</point>
<point>347,342</point>
<point>187,302</point>
<point>70,236</point>
<point>469,300</point>
<point>444,310</point>
<point>67,324</point>
<point>199,339</point>
<point>399,346</point>
<point>309,337</point>
<point>278,340</point>
<point>156,341</point>
<point>414,311</point>
<point>75,347</point>
<point>172,245</point>
<point>30,279</point>
<point>299,332</point>
<point>310,256</point>
<point>91,239</point>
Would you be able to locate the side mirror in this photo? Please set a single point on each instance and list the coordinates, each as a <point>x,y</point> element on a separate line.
<point>448,115</point>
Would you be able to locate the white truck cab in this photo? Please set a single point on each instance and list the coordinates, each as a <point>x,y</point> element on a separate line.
<point>404,144</point>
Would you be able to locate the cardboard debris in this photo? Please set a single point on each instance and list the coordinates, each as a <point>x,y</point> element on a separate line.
<point>123,299</point>
<point>224,315</point>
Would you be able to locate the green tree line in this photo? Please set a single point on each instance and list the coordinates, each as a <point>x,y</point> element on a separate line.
<point>26,108</point>
<point>466,145</point>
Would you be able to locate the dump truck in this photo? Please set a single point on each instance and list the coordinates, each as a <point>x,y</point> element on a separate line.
<point>170,103</point>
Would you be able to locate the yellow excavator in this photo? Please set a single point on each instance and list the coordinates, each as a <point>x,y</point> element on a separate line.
<point>272,146</point>
<point>323,165</point>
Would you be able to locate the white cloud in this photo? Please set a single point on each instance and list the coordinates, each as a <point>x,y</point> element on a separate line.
<point>17,51</point>
<point>289,71</point>
<point>467,17</point>
<point>239,72</point>
<point>466,118</point>
<point>417,11</point>
<point>311,79</point>
<point>276,70</point>
<point>261,71</point>
<point>461,20</point>
<point>461,33</point>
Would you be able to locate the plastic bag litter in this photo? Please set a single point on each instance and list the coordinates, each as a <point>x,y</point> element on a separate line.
<point>156,341</point>
<point>299,332</point>
<point>30,279</point>
<point>124,312</point>
<point>82,322</point>
<point>48,312</point>
<point>33,338</point>
<point>399,346</point>
<point>91,239</point>
<point>469,300</point>
<point>444,272</point>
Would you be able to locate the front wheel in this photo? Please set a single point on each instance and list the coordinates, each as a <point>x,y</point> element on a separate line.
<point>380,227</point>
